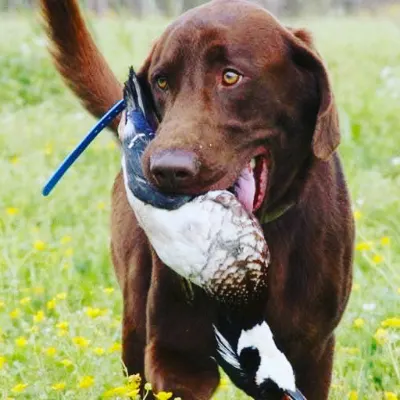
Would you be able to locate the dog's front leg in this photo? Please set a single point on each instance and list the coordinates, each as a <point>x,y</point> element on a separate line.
<point>314,373</point>
<point>180,341</point>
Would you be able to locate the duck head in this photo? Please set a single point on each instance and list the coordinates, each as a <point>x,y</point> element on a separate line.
<point>136,133</point>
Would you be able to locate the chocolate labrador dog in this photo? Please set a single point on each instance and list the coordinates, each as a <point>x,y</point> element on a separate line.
<point>243,103</point>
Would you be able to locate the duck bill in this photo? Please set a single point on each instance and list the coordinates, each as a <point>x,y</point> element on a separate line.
<point>297,395</point>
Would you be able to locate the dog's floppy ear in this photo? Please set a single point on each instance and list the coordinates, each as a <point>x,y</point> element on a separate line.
<point>326,136</point>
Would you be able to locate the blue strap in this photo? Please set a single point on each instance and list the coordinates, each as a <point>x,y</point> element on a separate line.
<point>80,148</point>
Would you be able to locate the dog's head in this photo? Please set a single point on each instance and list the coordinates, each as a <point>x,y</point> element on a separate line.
<point>243,103</point>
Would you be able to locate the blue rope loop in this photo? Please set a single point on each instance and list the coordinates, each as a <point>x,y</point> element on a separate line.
<point>104,121</point>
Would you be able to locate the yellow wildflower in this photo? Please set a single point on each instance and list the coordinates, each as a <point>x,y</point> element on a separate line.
<point>390,396</point>
<point>50,351</point>
<point>48,149</point>
<point>39,316</point>
<point>148,387</point>
<point>377,259</point>
<point>99,351</point>
<point>223,383</point>
<point>51,304</point>
<point>69,252</point>
<point>351,350</point>
<point>66,266</point>
<point>357,215</point>
<point>353,395</point>
<point>115,347</point>
<point>80,341</point>
<point>108,290</point>
<point>86,382</point>
<point>63,325</point>
<point>2,361</point>
<point>95,312</point>
<point>12,211</point>
<point>2,304</point>
<point>385,241</point>
<point>39,245</point>
<point>58,386</point>
<point>117,391</point>
<point>134,381</point>
<point>66,362</point>
<point>358,323</point>
<point>163,395</point>
<point>62,332</point>
<point>66,239</point>
<point>336,386</point>
<point>380,336</point>
<point>38,290</point>
<point>21,342</point>
<point>34,329</point>
<point>132,393</point>
<point>19,388</point>
<point>14,314</point>
<point>364,246</point>
<point>101,205</point>
<point>391,323</point>
<point>61,296</point>
<point>14,160</point>
<point>25,301</point>
<point>356,287</point>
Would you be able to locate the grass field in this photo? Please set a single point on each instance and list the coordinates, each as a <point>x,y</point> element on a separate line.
<point>59,303</point>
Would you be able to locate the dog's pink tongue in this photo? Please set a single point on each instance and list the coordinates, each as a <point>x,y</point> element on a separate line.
<point>245,188</point>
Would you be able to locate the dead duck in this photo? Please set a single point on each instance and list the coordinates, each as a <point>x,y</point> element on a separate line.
<point>215,243</point>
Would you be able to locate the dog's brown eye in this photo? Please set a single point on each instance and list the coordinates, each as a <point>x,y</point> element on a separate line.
<point>230,77</point>
<point>162,83</point>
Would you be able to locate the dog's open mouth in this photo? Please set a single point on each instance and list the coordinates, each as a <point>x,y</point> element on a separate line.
<point>251,186</point>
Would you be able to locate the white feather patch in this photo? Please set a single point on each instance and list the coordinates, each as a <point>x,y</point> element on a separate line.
<point>274,364</point>
<point>139,92</point>
<point>136,137</point>
<point>128,130</point>
<point>225,350</point>
<point>204,237</point>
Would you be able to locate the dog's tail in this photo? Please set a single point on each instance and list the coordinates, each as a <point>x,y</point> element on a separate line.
<point>77,58</point>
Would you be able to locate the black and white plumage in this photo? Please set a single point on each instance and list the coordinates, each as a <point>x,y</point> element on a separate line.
<point>215,243</point>
<point>249,356</point>
<point>137,135</point>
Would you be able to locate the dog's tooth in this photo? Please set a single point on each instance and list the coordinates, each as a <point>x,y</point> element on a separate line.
<point>253,163</point>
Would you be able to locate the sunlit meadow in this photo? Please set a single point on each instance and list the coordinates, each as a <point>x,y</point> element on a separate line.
<point>60,306</point>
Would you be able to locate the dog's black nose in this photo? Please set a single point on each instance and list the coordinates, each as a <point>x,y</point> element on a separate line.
<point>174,169</point>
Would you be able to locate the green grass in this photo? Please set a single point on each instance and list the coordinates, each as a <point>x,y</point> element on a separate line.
<point>57,247</point>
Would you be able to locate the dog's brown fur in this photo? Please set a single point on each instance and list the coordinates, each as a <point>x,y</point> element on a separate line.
<point>284,105</point>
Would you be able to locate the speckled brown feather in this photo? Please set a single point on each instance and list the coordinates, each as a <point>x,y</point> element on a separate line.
<point>241,282</point>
